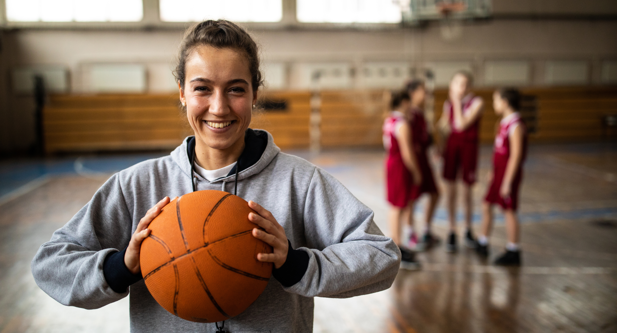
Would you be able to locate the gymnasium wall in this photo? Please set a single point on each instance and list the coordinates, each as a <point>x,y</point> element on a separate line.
<point>516,34</point>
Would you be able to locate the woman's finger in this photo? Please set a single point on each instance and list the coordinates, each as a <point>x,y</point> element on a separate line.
<point>268,238</point>
<point>264,223</point>
<point>260,210</point>
<point>151,214</point>
<point>139,237</point>
<point>266,257</point>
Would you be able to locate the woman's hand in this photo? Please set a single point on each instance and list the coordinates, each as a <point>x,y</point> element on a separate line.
<point>455,97</point>
<point>417,177</point>
<point>272,234</point>
<point>131,257</point>
<point>504,191</point>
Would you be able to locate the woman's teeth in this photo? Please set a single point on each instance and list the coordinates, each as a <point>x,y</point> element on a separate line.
<point>218,125</point>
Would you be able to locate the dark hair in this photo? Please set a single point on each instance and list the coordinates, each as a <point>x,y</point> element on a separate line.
<point>512,97</point>
<point>219,34</point>
<point>467,75</point>
<point>412,85</point>
<point>397,98</point>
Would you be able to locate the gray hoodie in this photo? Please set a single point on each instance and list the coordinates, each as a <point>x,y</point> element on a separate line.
<point>347,253</point>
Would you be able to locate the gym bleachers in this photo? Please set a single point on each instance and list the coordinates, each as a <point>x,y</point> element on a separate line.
<point>348,118</point>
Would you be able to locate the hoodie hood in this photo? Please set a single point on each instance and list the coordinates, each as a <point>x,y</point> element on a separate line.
<point>259,151</point>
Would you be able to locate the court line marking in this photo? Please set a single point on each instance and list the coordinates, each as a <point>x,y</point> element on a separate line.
<point>533,270</point>
<point>534,248</point>
<point>26,188</point>
<point>581,169</point>
<point>81,170</point>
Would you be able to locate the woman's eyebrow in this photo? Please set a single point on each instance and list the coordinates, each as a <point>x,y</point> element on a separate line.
<point>201,79</point>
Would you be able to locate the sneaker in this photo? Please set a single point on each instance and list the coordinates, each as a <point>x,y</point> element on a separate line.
<point>408,260</point>
<point>428,241</point>
<point>451,245</point>
<point>509,258</point>
<point>470,241</point>
<point>413,241</point>
<point>482,250</point>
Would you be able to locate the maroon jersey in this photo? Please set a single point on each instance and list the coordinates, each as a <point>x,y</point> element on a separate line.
<point>419,131</point>
<point>398,177</point>
<point>501,155</point>
<point>471,133</point>
<point>420,143</point>
<point>502,140</point>
<point>461,150</point>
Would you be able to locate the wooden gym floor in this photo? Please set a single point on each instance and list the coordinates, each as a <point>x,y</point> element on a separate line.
<point>568,282</point>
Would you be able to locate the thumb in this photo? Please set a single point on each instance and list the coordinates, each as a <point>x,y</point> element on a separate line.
<point>139,238</point>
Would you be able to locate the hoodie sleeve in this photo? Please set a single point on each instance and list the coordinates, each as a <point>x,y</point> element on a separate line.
<point>69,267</point>
<point>348,254</point>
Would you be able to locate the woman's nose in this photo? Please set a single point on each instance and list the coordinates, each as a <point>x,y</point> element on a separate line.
<point>218,104</point>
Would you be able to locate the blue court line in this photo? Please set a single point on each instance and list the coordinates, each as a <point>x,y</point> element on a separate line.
<point>15,174</point>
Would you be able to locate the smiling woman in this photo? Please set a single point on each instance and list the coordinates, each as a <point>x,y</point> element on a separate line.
<point>324,241</point>
<point>218,99</point>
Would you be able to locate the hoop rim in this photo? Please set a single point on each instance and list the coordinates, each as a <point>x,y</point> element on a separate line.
<point>447,8</point>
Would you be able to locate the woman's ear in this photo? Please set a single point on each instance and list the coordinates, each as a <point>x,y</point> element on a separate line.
<point>182,100</point>
<point>254,99</point>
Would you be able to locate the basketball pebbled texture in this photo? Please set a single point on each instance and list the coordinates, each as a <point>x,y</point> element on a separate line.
<point>200,260</point>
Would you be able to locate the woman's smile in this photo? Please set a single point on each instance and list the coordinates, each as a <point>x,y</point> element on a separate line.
<point>219,125</point>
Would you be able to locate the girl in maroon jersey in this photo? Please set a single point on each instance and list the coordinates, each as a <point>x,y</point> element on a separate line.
<point>401,171</point>
<point>461,117</point>
<point>420,142</point>
<point>505,180</point>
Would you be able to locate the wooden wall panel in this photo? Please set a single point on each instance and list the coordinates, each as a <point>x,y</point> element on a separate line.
<point>348,118</point>
<point>134,121</point>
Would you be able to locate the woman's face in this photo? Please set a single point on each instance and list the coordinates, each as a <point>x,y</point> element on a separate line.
<point>459,85</point>
<point>499,104</point>
<point>218,96</point>
<point>418,95</point>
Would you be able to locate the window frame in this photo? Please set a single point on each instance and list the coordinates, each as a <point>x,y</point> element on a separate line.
<point>151,21</point>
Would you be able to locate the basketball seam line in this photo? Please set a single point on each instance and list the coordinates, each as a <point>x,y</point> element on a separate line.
<point>173,259</point>
<point>235,270</point>
<point>205,287</point>
<point>186,244</point>
<point>160,241</point>
<point>177,289</point>
<point>210,215</point>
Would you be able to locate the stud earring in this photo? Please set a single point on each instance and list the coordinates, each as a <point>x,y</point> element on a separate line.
<point>253,106</point>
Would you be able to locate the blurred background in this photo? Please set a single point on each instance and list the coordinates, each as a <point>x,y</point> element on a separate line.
<point>86,89</point>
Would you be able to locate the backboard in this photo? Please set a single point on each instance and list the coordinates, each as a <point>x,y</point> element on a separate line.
<point>418,11</point>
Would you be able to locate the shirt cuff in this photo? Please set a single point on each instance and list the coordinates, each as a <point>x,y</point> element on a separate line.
<point>292,271</point>
<point>118,277</point>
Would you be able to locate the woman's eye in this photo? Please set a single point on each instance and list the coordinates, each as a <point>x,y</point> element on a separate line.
<point>237,90</point>
<point>201,88</point>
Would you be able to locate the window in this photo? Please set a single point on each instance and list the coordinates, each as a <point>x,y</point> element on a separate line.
<point>233,10</point>
<point>348,11</point>
<point>74,10</point>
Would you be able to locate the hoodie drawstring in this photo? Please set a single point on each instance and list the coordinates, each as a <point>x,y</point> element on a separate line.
<point>194,178</point>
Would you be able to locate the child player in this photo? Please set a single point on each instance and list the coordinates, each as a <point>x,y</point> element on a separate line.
<point>420,142</point>
<point>401,171</point>
<point>505,181</point>
<point>461,116</point>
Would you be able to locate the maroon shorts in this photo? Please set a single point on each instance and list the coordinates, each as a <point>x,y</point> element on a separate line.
<point>428,181</point>
<point>493,196</point>
<point>460,155</point>
<point>398,183</point>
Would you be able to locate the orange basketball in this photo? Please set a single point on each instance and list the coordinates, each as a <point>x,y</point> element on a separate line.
<point>200,260</point>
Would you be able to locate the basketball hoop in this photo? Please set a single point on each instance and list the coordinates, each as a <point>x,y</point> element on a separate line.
<point>451,25</point>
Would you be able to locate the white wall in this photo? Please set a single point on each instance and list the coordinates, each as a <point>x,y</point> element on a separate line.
<point>533,41</point>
